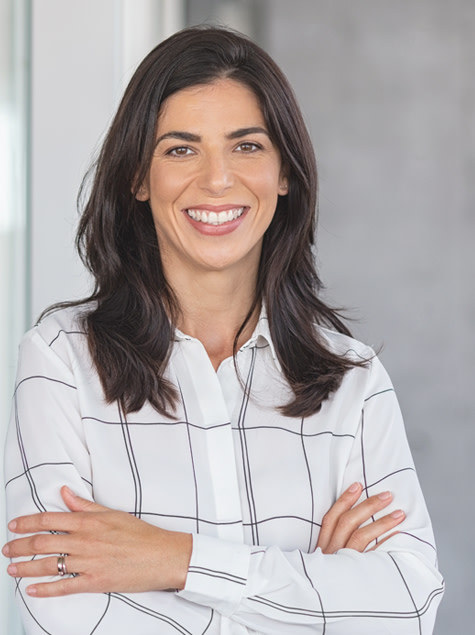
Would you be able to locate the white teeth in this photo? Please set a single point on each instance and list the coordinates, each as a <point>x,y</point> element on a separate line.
<point>213,218</point>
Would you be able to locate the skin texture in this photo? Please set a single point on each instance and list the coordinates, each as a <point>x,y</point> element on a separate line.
<point>213,153</point>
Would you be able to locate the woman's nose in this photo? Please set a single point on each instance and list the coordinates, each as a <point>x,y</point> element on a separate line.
<point>216,175</point>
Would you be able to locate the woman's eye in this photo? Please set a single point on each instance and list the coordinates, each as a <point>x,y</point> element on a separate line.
<point>248,146</point>
<point>180,151</point>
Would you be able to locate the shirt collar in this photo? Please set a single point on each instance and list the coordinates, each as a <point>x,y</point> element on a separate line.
<point>261,335</point>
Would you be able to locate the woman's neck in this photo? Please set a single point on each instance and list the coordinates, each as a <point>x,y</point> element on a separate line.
<point>213,307</point>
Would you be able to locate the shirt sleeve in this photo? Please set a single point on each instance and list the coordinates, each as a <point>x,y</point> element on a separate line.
<point>393,589</point>
<point>46,447</point>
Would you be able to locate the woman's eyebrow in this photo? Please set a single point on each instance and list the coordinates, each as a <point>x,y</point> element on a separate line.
<point>243,132</point>
<point>194,138</point>
<point>177,134</point>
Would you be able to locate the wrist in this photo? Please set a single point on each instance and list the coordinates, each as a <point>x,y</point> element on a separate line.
<point>184,547</point>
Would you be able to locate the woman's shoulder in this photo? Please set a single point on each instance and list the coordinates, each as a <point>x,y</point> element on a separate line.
<point>59,325</point>
<point>64,319</point>
<point>344,345</point>
<point>370,374</point>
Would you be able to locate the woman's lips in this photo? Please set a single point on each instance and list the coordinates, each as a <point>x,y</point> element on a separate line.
<point>215,220</point>
<point>212,217</point>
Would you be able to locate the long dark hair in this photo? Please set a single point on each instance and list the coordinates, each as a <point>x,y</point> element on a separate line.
<point>130,327</point>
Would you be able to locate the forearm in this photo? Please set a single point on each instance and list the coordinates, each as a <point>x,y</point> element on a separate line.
<point>292,592</point>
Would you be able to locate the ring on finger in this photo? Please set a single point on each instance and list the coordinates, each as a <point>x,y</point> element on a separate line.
<point>61,564</point>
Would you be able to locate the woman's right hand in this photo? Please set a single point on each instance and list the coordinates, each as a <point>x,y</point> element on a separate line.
<point>343,524</point>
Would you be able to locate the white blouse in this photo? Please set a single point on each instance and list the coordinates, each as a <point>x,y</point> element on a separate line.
<point>251,486</point>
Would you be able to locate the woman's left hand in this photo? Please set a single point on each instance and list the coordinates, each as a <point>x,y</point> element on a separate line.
<point>108,550</point>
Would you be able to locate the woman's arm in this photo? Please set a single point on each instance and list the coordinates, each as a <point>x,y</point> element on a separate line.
<point>46,447</point>
<point>107,551</point>
<point>395,588</point>
<point>112,551</point>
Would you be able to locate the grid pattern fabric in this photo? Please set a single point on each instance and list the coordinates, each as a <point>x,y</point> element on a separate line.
<point>251,485</point>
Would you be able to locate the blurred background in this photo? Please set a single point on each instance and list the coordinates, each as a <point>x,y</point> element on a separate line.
<point>388,92</point>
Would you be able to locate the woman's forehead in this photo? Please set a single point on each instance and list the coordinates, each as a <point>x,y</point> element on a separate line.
<point>201,101</point>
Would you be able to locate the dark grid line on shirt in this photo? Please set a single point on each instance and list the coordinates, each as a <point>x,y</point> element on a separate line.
<point>62,331</point>
<point>408,591</point>
<point>403,469</point>
<point>407,533</point>
<point>244,449</point>
<point>106,610</point>
<point>312,497</point>
<point>316,591</point>
<point>299,433</point>
<point>34,467</point>
<point>18,592</point>
<point>29,477</point>
<point>45,377</point>
<point>205,521</point>
<point>261,521</point>
<point>225,575</point>
<point>40,465</point>
<point>402,615</point>
<point>363,461</point>
<point>379,392</point>
<point>151,613</point>
<point>158,423</point>
<point>211,620</point>
<point>132,462</point>
<point>190,445</point>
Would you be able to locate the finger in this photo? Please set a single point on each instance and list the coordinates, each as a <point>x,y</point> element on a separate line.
<point>343,504</point>
<point>64,586</point>
<point>55,521</point>
<point>77,504</point>
<point>43,567</point>
<point>45,521</point>
<point>38,544</point>
<point>349,521</point>
<point>363,536</point>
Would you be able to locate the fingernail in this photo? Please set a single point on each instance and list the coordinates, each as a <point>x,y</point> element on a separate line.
<point>6,550</point>
<point>397,514</point>
<point>12,570</point>
<point>12,525</point>
<point>384,496</point>
<point>31,590</point>
<point>69,491</point>
<point>354,488</point>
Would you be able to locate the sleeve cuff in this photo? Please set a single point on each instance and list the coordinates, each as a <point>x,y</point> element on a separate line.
<point>217,574</point>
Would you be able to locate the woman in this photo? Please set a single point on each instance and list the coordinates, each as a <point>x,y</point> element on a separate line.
<point>234,462</point>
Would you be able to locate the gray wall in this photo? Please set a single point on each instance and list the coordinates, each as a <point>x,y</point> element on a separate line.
<point>389,94</point>
<point>388,91</point>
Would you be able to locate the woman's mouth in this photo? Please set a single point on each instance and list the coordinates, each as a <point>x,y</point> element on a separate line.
<point>209,217</point>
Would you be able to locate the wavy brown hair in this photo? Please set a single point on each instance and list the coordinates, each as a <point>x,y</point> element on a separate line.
<point>130,327</point>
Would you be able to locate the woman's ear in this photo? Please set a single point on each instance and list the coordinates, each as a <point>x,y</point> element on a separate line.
<point>142,194</point>
<point>283,185</point>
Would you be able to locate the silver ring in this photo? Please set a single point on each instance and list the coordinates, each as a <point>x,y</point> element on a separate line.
<point>62,565</point>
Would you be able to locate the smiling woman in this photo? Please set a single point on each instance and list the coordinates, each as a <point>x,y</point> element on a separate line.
<point>224,183</point>
<point>204,422</point>
<point>212,200</point>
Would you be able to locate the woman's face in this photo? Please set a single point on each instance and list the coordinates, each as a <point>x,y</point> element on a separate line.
<point>214,180</point>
